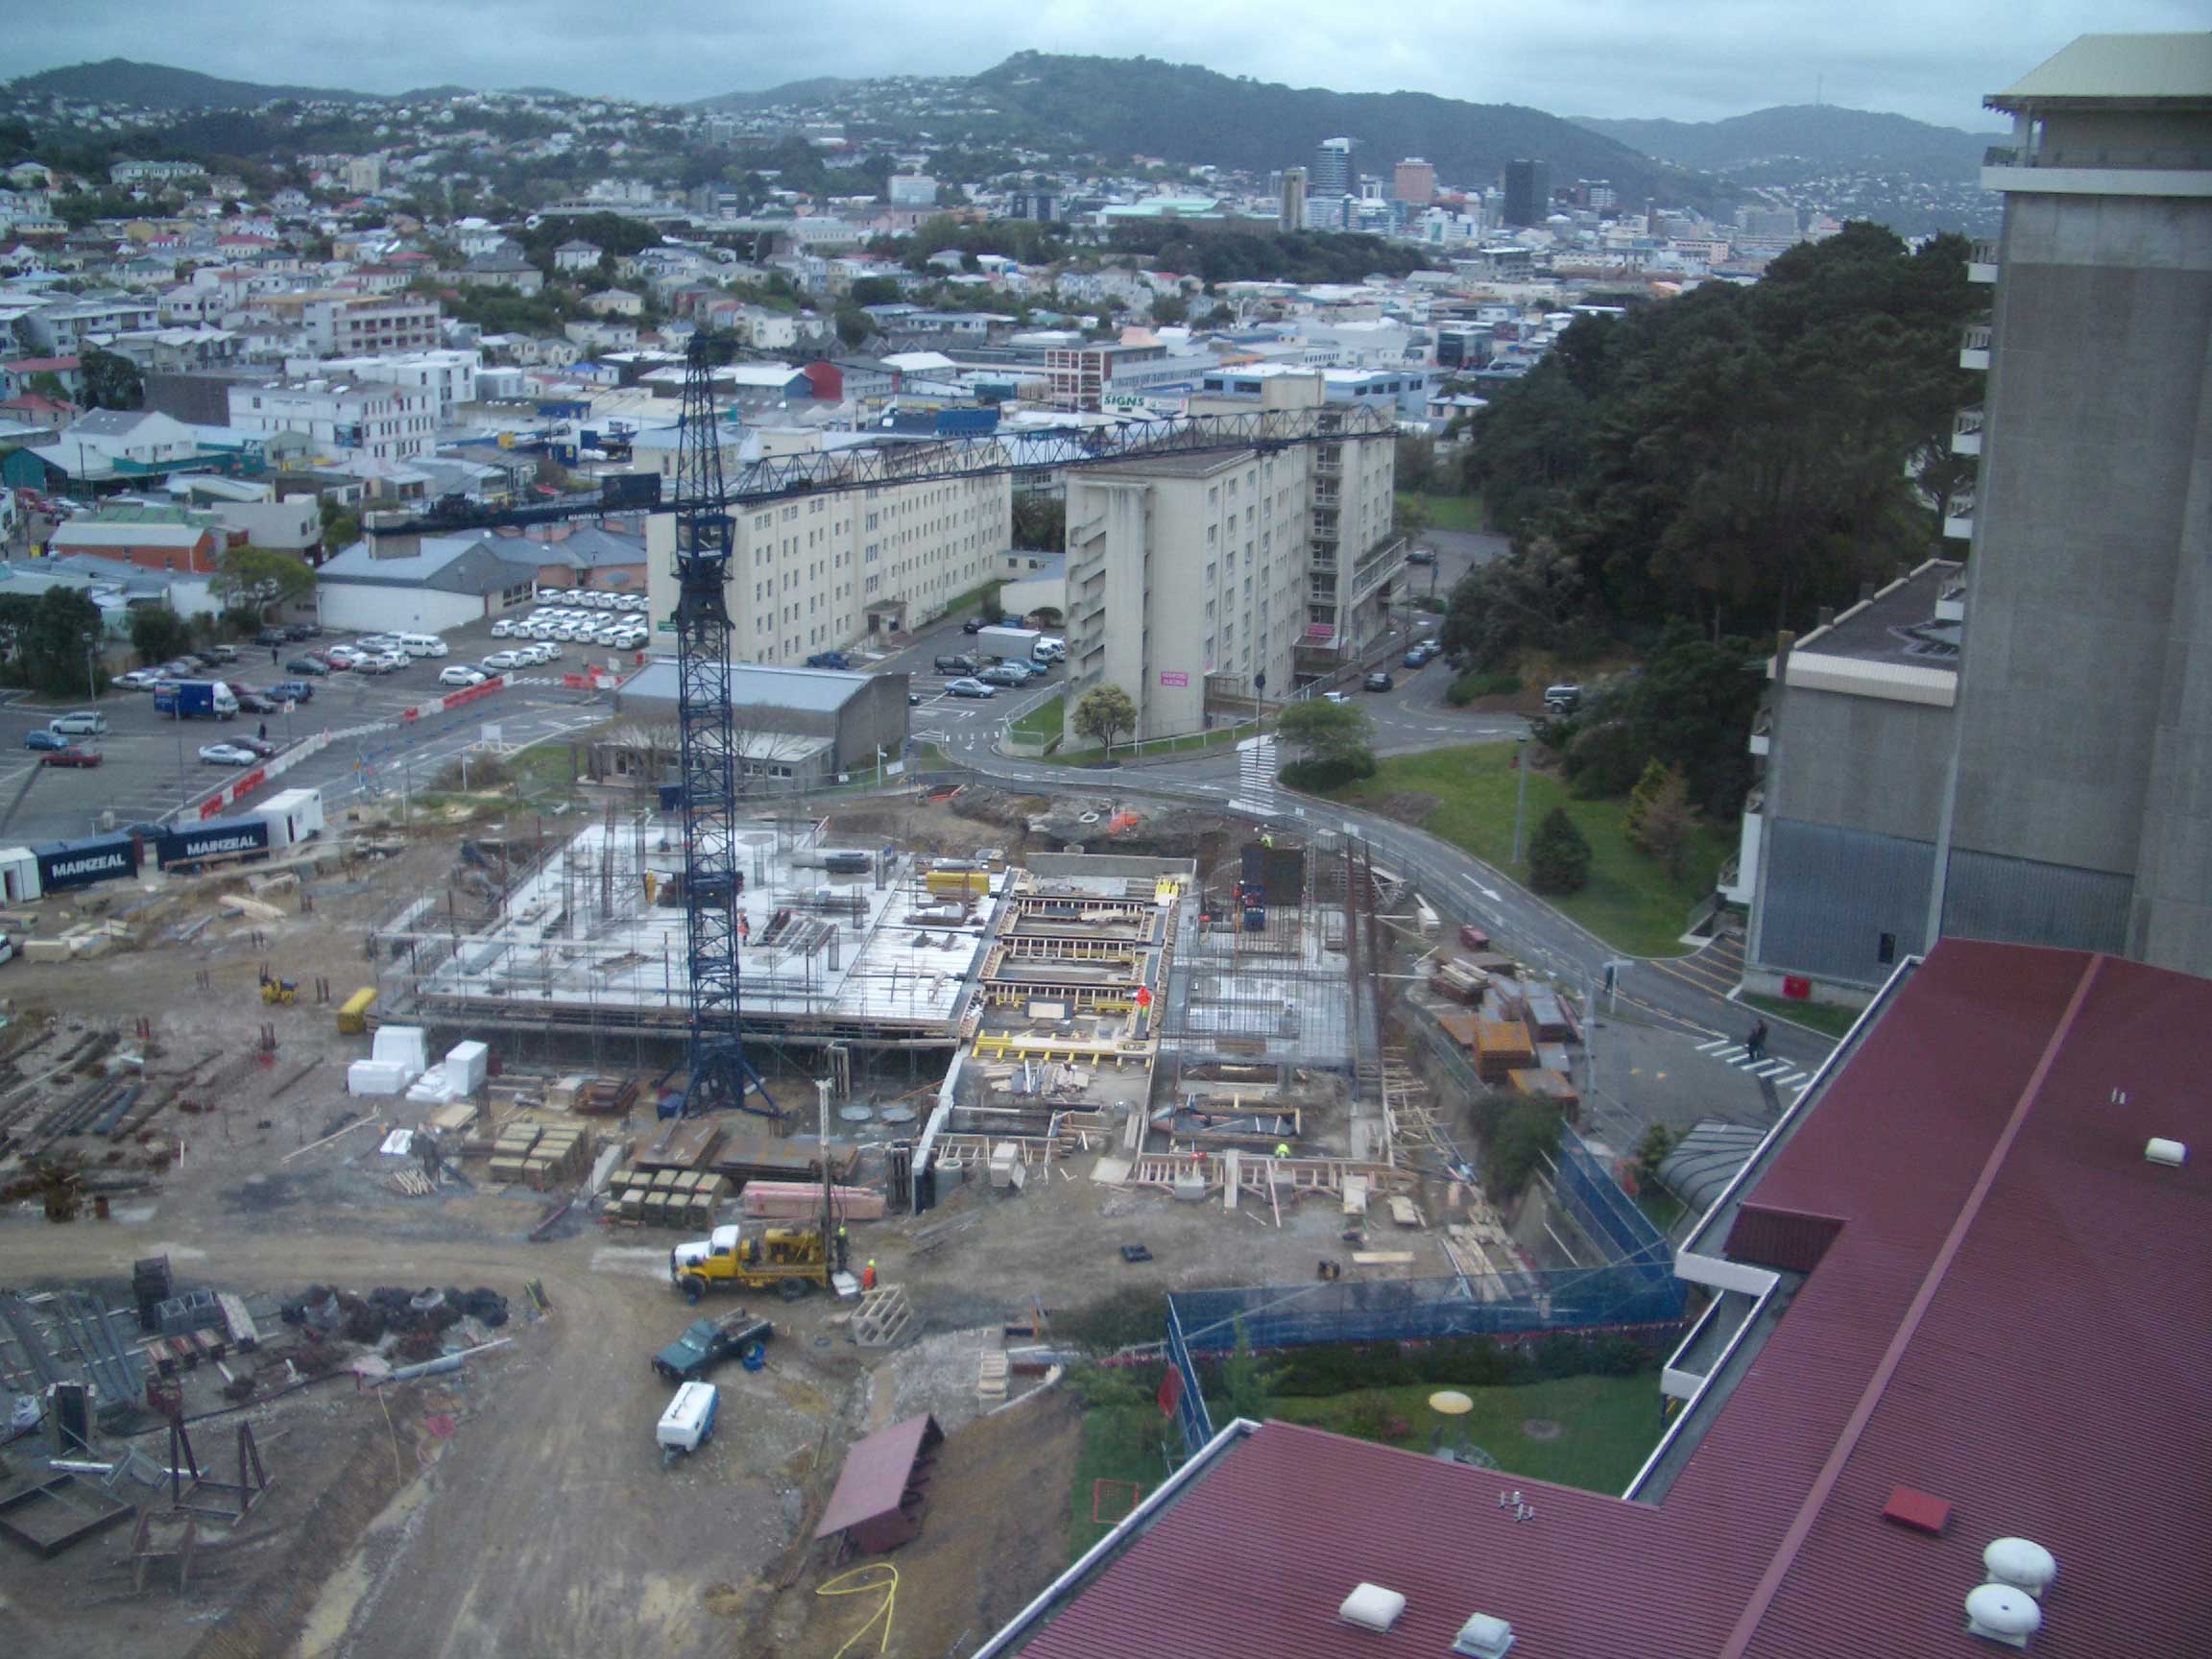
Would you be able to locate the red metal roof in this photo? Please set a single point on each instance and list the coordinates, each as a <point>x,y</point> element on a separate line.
<point>2013,1316</point>
<point>874,1478</point>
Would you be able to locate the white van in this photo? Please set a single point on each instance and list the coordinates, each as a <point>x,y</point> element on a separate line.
<point>85,723</point>
<point>1049,650</point>
<point>422,645</point>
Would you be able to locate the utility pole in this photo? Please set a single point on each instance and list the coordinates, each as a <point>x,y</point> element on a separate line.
<point>1520,794</point>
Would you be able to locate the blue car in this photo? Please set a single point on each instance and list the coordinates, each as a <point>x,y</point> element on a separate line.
<point>828,660</point>
<point>39,737</point>
<point>292,691</point>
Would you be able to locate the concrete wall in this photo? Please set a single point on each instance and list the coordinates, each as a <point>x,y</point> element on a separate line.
<point>378,609</point>
<point>1867,764</point>
<point>2086,715</point>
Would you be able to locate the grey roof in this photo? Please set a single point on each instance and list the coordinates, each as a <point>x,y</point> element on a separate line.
<point>756,684</point>
<point>477,563</point>
<point>110,422</point>
<point>1706,1160</point>
<point>1897,625</point>
<point>2117,69</point>
<point>588,548</point>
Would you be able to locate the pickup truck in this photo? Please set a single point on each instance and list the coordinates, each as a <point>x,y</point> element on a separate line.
<point>707,1343</point>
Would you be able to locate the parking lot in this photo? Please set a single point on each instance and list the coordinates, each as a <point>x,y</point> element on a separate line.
<point>150,766</point>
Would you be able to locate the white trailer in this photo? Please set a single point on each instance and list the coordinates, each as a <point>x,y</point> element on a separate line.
<point>292,816</point>
<point>1020,644</point>
<point>688,1422</point>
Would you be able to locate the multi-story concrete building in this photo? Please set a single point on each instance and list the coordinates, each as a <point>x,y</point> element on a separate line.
<point>2047,789</point>
<point>1414,183</point>
<point>1331,174</point>
<point>1198,583</point>
<point>447,375</point>
<point>1528,192</point>
<point>368,325</point>
<point>1290,213</point>
<point>371,422</point>
<point>829,569</point>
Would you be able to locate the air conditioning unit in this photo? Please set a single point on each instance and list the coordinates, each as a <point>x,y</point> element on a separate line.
<point>1371,1608</point>
<point>1483,1636</point>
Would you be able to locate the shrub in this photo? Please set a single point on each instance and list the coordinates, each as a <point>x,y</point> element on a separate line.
<point>1477,683</point>
<point>1319,776</point>
<point>1130,1316</point>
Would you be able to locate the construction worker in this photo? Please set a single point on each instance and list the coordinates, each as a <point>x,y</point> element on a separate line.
<point>868,1275</point>
<point>1282,1148</point>
<point>1268,840</point>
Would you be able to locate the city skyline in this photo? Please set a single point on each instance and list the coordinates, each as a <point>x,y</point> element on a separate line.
<point>1588,58</point>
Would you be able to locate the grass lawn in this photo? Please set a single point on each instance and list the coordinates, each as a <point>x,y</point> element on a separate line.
<point>1607,1424</point>
<point>1821,1017</point>
<point>1661,1205</point>
<point>1454,512</point>
<point>1466,795</point>
<point>1043,723</point>
<point>544,768</point>
<point>1121,1443</point>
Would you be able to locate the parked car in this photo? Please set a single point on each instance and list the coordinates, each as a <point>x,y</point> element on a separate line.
<point>226,754</point>
<point>972,688</point>
<point>1416,657</point>
<point>547,651</point>
<point>707,1343</point>
<point>502,661</point>
<point>136,680</point>
<point>75,755</point>
<point>828,660</point>
<point>83,723</point>
<point>301,629</point>
<point>1562,699</point>
<point>461,674</point>
<point>260,748</point>
<point>1380,680</point>
<point>271,636</point>
<point>312,666</point>
<point>957,665</point>
<point>1336,697</point>
<point>913,698</point>
<point>39,737</point>
<point>504,629</point>
<point>222,653</point>
<point>254,702</point>
<point>974,625</point>
<point>1007,674</point>
<point>1421,556</point>
<point>293,691</point>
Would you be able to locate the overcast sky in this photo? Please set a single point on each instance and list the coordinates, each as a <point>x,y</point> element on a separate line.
<point>1697,61</point>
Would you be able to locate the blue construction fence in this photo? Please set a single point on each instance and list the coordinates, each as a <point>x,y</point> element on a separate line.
<point>1190,1414</point>
<point>1607,1215</point>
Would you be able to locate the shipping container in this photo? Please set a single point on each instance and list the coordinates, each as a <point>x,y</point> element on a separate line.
<point>218,838</point>
<point>79,863</point>
<point>292,815</point>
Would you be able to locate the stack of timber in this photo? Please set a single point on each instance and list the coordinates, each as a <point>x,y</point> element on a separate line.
<point>559,1159</point>
<point>802,1201</point>
<point>687,1198</point>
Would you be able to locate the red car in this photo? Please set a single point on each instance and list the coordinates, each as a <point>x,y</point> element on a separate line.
<point>73,755</point>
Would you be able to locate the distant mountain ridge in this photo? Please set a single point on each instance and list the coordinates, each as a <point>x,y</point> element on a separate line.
<point>1822,135</point>
<point>162,86</point>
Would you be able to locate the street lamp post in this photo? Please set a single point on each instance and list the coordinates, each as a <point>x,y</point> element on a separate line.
<point>1521,792</point>
<point>91,673</point>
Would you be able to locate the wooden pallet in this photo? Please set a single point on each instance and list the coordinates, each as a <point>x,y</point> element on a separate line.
<point>884,1318</point>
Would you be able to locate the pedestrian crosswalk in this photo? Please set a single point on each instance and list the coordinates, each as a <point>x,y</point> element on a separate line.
<point>1782,1073</point>
<point>1256,776</point>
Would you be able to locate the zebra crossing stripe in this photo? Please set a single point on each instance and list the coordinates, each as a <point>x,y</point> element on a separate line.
<point>1713,1046</point>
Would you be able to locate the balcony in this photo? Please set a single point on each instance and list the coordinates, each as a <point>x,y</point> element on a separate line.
<point>1377,565</point>
<point>1322,566</point>
<point>1974,346</point>
<point>2098,169</point>
<point>1763,732</point>
<point>1982,262</point>
<point>1966,432</point>
<point>1951,602</point>
<point>1326,495</point>
<point>1959,517</point>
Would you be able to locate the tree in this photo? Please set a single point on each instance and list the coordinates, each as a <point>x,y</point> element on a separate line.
<point>158,633</point>
<point>1649,785</point>
<point>874,291</point>
<point>112,382</point>
<point>1103,713</point>
<point>1246,1382</point>
<point>256,576</point>
<point>1411,518</point>
<point>1333,740</point>
<point>1041,521</point>
<point>48,640</point>
<point>1652,1151</point>
<point>1664,829</point>
<point>1526,1133</point>
<point>1559,856</point>
<point>1170,309</point>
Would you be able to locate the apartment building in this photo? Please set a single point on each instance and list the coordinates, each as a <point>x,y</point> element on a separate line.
<point>1198,582</point>
<point>373,421</point>
<point>2041,782</point>
<point>447,375</point>
<point>1092,377</point>
<point>370,325</point>
<point>826,570</point>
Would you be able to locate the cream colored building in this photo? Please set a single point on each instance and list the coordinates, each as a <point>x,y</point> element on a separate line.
<point>1198,582</point>
<point>824,571</point>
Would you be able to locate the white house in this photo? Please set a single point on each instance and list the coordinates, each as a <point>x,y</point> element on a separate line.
<point>428,584</point>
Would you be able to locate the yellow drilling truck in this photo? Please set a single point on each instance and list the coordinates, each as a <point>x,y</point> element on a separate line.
<point>789,1259</point>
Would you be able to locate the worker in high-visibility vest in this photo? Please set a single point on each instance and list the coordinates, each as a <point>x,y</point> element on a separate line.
<point>1282,1148</point>
<point>868,1275</point>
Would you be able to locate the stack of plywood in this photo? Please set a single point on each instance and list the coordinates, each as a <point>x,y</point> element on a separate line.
<point>456,1118</point>
<point>1460,981</point>
<point>560,1094</point>
<point>683,1144</point>
<point>607,1096</point>
<point>802,1201</point>
<point>1502,1047</point>
<point>513,1149</point>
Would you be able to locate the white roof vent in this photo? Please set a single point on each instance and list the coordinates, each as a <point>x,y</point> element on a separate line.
<point>1372,1607</point>
<point>2022,1564</point>
<point>2000,1613</point>
<point>2170,1153</point>
<point>1483,1637</point>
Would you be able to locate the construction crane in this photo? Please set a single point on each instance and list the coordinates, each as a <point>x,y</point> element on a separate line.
<point>719,1074</point>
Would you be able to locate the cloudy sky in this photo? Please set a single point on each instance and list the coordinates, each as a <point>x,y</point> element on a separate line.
<point>1695,62</point>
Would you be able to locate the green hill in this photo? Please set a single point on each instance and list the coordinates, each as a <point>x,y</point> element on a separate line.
<point>158,87</point>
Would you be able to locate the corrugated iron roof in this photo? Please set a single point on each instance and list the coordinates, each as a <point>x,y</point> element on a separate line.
<point>874,1480</point>
<point>2013,1316</point>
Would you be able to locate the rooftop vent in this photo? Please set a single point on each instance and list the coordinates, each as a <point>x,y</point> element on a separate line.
<point>1372,1607</point>
<point>2000,1613</point>
<point>2020,1564</point>
<point>2170,1153</point>
<point>1483,1637</point>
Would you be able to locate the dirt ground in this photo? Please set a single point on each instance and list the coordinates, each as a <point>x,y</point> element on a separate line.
<point>520,1506</point>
